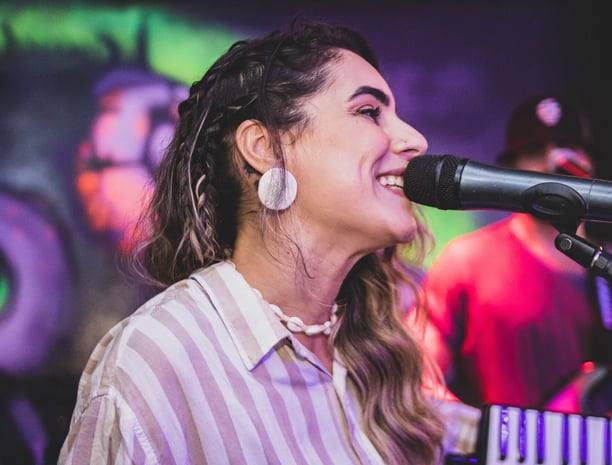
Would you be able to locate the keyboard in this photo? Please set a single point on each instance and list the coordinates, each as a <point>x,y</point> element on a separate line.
<point>517,436</point>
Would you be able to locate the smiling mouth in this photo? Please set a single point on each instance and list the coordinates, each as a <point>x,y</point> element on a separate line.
<point>391,181</point>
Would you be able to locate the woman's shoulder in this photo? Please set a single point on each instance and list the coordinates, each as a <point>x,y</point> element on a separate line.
<point>156,326</point>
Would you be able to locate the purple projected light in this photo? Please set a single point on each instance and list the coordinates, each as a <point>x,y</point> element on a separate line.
<point>35,284</point>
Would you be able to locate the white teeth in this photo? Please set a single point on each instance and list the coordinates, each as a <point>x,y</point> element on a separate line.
<point>391,180</point>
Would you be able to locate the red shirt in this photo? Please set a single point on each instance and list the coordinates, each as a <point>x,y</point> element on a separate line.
<point>518,330</point>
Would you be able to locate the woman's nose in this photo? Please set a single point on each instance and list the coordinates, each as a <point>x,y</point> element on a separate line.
<point>410,142</point>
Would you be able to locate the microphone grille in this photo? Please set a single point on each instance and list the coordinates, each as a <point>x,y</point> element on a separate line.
<point>430,180</point>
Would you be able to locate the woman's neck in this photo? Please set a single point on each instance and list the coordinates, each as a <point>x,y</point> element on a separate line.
<point>307,290</point>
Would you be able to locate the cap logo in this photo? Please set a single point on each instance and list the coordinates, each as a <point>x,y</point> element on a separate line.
<point>549,112</point>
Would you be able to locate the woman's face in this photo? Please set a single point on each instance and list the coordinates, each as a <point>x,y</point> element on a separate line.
<point>349,162</point>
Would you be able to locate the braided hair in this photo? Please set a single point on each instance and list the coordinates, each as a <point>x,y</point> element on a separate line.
<point>193,212</point>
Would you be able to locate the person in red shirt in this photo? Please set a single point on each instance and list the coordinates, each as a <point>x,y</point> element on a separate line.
<point>511,319</point>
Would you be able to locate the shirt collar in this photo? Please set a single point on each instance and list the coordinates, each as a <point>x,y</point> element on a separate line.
<point>251,323</point>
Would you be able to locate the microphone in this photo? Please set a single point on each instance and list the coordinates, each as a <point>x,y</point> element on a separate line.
<point>451,183</point>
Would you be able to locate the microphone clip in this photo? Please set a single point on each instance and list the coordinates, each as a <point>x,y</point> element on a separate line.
<point>585,253</point>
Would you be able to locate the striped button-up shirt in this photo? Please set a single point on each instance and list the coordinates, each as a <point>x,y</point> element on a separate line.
<point>205,373</point>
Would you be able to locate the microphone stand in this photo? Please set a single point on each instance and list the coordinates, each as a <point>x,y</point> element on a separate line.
<point>584,252</point>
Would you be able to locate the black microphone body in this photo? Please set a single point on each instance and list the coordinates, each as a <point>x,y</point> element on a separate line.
<point>451,183</point>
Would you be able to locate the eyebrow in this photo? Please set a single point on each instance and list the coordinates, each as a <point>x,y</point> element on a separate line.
<point>373,91</point>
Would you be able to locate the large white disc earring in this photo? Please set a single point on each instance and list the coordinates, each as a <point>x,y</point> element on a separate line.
<point>271,192</point>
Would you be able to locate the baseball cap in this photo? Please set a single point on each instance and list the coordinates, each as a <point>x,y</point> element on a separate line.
<point>541,120</point>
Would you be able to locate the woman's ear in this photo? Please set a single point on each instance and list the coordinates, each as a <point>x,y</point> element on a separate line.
<point>255,146</point>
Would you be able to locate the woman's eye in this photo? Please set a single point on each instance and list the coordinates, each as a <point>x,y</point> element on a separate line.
<point>373,113</point>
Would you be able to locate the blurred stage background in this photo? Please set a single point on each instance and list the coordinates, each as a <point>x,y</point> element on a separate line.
<point>88,92</point>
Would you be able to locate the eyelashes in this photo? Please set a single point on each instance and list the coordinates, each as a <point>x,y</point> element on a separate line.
<point>373,113</point>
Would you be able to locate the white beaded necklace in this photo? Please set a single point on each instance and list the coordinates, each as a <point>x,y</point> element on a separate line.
<point>295,323</point>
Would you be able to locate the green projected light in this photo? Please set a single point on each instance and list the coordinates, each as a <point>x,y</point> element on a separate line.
<point>445,225</point>
<point>174,47</point>
<point>4,286</point>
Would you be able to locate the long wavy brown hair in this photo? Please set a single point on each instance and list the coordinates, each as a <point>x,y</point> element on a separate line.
<point>193,215</point>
